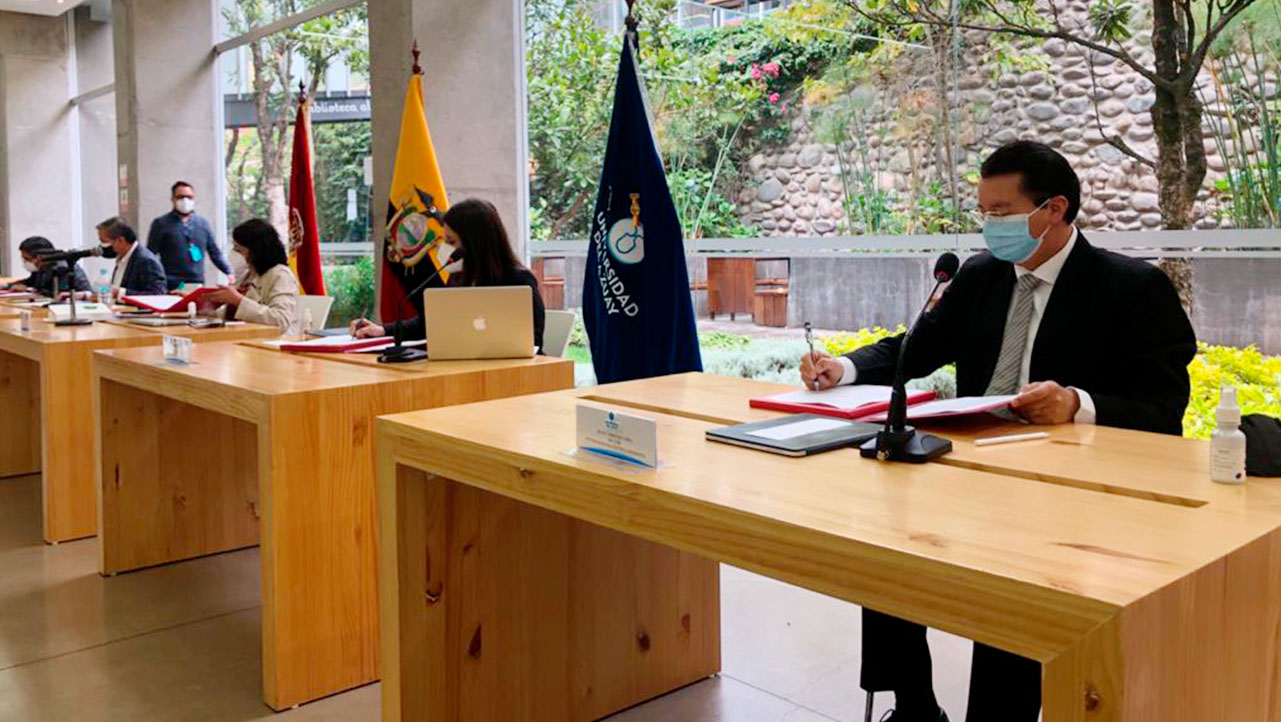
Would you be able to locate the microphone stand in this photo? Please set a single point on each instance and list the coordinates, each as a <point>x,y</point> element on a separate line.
<point>897,441</point>
<point>74,320</point>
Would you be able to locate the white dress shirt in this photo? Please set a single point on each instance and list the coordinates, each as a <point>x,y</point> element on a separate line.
<point>121,264</point>
<point>1048,272</point>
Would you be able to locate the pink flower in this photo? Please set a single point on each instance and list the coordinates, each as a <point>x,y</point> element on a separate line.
<point>771,69</point>
<point>756,71</point>
<point>773,98</point>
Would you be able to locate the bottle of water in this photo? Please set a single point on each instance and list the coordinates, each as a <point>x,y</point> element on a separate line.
<point>103,286</point>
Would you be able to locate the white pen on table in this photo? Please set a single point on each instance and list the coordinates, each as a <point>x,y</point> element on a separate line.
<point>809,339</point>
<point>991,440</point>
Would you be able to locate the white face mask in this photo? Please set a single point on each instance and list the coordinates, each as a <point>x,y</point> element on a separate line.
<point>185,205</point>
<point>31,267</point>
<point>239,264</point>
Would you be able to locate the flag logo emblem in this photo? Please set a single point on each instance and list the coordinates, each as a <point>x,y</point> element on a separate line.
<point>411,234</point>
<point>627,236</point>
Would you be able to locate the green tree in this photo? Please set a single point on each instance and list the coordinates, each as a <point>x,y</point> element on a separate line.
<point>273,61</point>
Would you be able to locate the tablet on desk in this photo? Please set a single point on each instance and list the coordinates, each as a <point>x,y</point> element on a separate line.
<point>800,435</point>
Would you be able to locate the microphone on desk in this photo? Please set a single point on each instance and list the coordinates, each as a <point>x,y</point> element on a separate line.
<point>402,354</point>
<point>898,441</point>
<point>64,263</point>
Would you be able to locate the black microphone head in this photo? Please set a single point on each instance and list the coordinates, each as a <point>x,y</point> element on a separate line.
<point>945,267</point>
<point>456,256</point>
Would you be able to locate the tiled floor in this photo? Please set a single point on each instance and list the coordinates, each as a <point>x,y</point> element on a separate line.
<point>179,643</point>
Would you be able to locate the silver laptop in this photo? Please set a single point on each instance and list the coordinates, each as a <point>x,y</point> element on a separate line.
<point>479,322</point>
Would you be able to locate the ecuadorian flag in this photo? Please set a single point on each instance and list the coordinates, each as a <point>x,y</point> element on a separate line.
<point>414,248</point>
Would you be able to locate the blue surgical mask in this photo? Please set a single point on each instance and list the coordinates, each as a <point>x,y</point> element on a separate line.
<point>1008,237</point>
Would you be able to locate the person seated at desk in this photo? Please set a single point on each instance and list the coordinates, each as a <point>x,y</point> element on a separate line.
<point>474,226</point>
<point>269,293</point>
<point>138,272</point>
<point>44,276</point>
<point>1080,334</point>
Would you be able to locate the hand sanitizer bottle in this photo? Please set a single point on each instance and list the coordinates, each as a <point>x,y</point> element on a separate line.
<point>1227,444</point>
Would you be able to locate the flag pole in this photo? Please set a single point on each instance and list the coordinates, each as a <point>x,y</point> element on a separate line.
<point>633,23</point>
<point>418,69</point>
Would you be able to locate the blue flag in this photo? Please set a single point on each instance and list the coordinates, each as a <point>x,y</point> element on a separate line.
<point>636,298</point>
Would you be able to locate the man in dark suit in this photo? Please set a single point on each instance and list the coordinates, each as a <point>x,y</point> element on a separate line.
<point>138,272</point>
<point>1080,334</point>
<point>47,278</point>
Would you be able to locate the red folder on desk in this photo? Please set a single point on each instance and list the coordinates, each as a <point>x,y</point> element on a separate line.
<point>169,302</point>
<point>845,402</point>
<point>335,344</point>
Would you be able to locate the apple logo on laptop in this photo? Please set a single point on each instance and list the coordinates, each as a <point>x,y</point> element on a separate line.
<point>479,324</point>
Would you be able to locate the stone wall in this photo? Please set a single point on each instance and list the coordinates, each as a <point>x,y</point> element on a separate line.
<point>797,190</point>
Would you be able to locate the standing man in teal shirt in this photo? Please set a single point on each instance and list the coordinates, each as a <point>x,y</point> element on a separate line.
<point>182,239</point>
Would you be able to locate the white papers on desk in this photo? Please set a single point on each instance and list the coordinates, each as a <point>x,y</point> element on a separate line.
<point>84,309</point>
<point>952,407</point>
<point>797,429</point>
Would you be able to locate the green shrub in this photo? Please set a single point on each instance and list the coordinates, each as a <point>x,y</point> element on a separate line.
<point>722,340</point>
<point>839,344</point>
<point>1256,377</point>
<point>351,285</point>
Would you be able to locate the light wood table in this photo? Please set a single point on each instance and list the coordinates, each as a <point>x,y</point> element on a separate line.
<point>1147,592</point>
<point>253,446</point>
<point>45,395</point>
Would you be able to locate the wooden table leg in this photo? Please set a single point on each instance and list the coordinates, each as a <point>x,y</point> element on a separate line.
<point>176,481</point>
<point>20,408</point>
<point>66,416</point>
<point>500,610</point>
<point>1207,647</point>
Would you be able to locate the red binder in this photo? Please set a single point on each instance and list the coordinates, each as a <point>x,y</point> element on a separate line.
<point>846,402</point>
<point>335,344</point>
<point>171,302</point>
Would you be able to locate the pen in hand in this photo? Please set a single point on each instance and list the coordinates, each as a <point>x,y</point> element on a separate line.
<point>809,339</point>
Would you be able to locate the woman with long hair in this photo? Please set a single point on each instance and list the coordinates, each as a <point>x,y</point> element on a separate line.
<point>268,293</point>
<point>474,226</point>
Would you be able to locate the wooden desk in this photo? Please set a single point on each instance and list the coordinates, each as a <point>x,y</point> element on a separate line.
<point>252,446</point>
<point>1139,609</point>
<point>45,394</point>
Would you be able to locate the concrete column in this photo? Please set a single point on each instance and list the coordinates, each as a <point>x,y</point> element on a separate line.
<point>474,88</point>
<point>96,121</point>
<point>168,125</point>
<point>37,166</point>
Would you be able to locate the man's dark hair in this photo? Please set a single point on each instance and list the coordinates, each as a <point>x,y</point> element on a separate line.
<point>181,184</point>
<point>117,227</point>
<point>1043,173</point>
<point>36,245</point>
<point>263,243</point>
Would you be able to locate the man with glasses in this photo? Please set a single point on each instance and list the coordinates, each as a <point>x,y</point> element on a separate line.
<point>183,239</point>
<point>1080,334</point>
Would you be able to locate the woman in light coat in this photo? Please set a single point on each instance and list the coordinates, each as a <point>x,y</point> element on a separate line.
<point>268,293</point>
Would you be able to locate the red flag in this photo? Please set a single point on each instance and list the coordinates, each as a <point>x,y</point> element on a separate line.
<point>304,233</point>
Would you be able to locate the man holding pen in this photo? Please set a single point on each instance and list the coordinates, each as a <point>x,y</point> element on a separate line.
<point>1080,334</point>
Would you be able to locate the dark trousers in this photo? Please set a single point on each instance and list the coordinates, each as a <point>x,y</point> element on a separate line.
<point>1004,687</point>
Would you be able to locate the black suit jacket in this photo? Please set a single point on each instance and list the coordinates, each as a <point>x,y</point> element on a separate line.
<point>416,328</point>
<point>1113,327</point>
<point>144,275</point>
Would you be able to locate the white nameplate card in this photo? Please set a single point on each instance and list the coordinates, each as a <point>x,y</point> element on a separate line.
<point>177,349</point>
<point>625,437</point>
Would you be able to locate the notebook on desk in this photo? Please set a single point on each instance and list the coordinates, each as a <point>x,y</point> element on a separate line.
<point>800,435</point>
